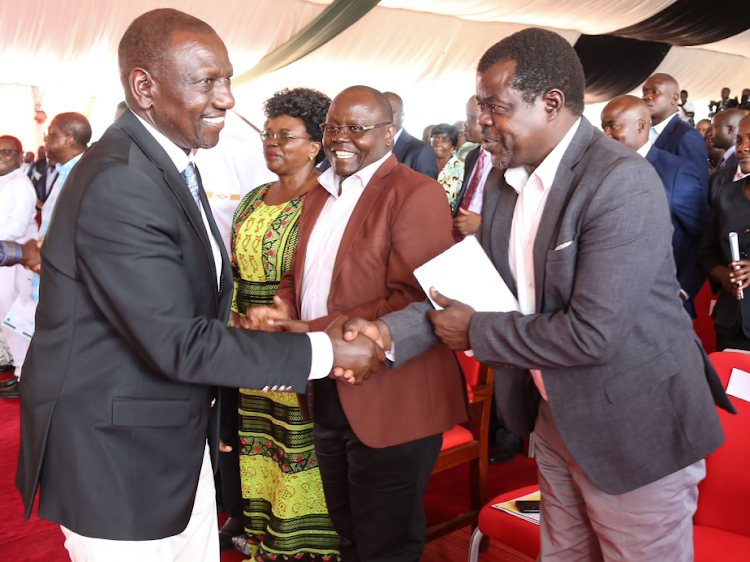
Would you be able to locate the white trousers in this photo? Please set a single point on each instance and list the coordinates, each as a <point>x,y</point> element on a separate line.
<point>199,542</point>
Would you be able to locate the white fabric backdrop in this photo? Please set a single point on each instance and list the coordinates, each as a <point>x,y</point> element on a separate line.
<point>68,49</point>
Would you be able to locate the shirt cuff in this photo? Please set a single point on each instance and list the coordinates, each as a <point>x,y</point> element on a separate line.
<point>321,364</point>
<point>391,353</point>
<point>684,295</point>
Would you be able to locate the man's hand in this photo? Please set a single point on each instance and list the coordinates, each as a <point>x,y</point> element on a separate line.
<point>467,222</point>
<point>739,276</point>
<point>257,318</point>
<point>377,331</point>
<point>224,448</point>
<point>297,326</point>
<point>353,361</point>
<point>452,323</point>
<point>30,256</point>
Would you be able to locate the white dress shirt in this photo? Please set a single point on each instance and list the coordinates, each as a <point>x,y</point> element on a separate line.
<point>326,236</point>
<point>533,191</point>
<point>322,349</point>
<point>643,151</point>
<point>17,207</point>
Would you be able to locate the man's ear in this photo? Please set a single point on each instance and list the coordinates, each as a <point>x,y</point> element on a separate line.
<point>641,124</point>
<point>554,101</point>
<point>142,87</point>
<point>390,132</point>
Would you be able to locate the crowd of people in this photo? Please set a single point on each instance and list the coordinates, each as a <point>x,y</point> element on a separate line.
<point>280,334</point>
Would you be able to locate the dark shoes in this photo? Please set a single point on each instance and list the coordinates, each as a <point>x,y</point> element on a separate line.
<point>232,528</point>
<point>505,449</point>
<point>10,388</point>
<point>6,369</point>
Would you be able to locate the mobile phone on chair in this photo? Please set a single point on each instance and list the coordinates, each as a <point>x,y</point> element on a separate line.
<point>527,506</point>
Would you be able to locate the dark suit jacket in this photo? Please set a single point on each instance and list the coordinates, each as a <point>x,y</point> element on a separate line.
<point>630,387</point>
<point>130,330</point>
<point>681,139</point>
<point>416,154</point>
<point>471,160</point>
<point>719,179</point>
<point>401,221</point>
<point>730,162</point>
<point>728,214</point>
<point>687,197</point>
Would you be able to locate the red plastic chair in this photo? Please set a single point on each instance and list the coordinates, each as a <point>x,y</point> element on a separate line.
<point>721,525</point>
<point>469,445</point>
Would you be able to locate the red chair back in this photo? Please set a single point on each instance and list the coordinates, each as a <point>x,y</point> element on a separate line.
<point>725,492</point>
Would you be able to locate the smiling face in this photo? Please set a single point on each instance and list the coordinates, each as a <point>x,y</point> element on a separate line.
<point>286,156</point>
<point>189,101</point>
<point>514,132</point>
<point>661,97</point>
<point>442,145</point>
<point>348,153</point>
<point>10,157</point>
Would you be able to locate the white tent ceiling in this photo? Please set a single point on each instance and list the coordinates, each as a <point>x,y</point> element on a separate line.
<point>426,50</point>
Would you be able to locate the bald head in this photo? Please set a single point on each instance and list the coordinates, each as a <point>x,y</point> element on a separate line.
<point>725,127</point>
<point>627,120</point>
<point>397,105</point>
<point>661,93</point>
<point>147,43</point>
<point>472,130</point>
<point>75,125</point>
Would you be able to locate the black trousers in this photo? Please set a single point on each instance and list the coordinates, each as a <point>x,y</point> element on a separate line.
<point>374,496</point>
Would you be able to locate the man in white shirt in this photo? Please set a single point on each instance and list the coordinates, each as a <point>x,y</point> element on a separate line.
<point>686,109</point>
<point>17,224</point>
<point>601,361</point>
<point>131,327</point>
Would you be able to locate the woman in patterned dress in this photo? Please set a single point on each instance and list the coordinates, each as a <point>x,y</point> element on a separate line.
<point>444,140</point>
<point>285,514</point>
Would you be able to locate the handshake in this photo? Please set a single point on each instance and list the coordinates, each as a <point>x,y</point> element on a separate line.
<point>358,345</point>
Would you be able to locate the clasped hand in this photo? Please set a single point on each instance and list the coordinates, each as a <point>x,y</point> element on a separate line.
<point>738,279</point>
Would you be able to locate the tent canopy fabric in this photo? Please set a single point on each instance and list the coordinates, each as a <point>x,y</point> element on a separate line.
<point>426,50</point>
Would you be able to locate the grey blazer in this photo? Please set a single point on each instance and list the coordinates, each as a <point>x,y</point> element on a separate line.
<point>629,385</point>
<point>131,332</point>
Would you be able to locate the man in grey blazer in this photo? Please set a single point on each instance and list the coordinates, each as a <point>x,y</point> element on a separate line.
<point>601,362</point>
<point>131,329</point>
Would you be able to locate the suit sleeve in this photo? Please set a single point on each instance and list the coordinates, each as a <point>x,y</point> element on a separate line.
<point>624,236</point>
<point>426,162</point>
<point>131,260</point>
<point>420,230</point>
<point>690,213</point>
<point>693,147</point>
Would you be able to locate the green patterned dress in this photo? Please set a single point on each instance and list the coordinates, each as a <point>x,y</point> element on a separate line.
<point>285,513</point>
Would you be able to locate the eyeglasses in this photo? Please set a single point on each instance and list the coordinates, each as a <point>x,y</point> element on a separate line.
<point>349,130</point>
<point>8,152</point>
<point>281,137</point>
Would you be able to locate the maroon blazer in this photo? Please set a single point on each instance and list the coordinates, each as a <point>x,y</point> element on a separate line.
<point>402,220</point>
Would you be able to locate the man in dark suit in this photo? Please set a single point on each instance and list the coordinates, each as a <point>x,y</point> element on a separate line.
<point>418,155</point>
<point>725,125</point>
<point>363,231</point>
<point>131,329</point>
<point>601,361</point>
<point>668,132</point>
<point>626,119</point>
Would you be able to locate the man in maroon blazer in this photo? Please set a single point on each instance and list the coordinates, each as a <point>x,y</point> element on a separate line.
<point>363,231</point>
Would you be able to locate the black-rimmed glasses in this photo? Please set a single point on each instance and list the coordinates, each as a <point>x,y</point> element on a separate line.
<point>350,130</point>
<point>281,137</point>
<point>8,152</point>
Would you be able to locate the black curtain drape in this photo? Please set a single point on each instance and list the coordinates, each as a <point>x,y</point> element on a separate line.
<point>337,17</point>
<point>615,65</point>
<point>692,22</point>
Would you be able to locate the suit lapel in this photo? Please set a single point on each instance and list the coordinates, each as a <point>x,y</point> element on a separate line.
<point>497,214</point>
<point>311,208</point>
<point>365,204</point>
<point>557,200</point>
<point>663,138</point>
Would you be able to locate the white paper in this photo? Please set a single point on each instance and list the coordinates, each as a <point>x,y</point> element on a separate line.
<point>464,273</point>
<point>739,384</point>
<point>20,317</point>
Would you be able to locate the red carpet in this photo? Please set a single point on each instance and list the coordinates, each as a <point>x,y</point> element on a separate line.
<point>40,541</point>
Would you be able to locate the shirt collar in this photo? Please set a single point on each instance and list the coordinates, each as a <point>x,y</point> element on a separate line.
<point>518,177</point>
<point>64,169</point>
<point>643,151</point>
<point>738,175</point>
<point>175,153</point>
<point>397,136</point>
<point>663,125</point>
<point>331,181</point>
<point>729,151</point>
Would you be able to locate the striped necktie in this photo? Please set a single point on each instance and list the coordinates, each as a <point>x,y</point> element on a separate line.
<point>191,179</point>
